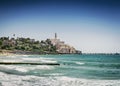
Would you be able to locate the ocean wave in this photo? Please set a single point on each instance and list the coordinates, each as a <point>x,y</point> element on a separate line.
<point>43,60</point>
<point>26,55</point>
<point>80,63</point>
<point>55,74</point>
<point>21,69</point>
<point>43,67</point>
<point>11,68</point>
<point>103,65</point>
<point>14,56</point>
<point>12,60</point>
<point>15,69</point>
<point>31,59</point>
<point>11,56</point>
<point>48,61</point>
<point>16,80</point>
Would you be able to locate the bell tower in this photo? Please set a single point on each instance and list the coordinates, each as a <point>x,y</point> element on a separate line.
<point>55,35</point>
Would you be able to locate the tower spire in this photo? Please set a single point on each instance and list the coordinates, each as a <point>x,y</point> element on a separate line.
<point>55,35</point>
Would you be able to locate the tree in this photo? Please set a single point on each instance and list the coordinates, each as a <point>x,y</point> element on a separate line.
<point>25,44</point>
<point>22,48</point>
<point>6,47</point>
<point>48,41</point>
<point>0,43</point>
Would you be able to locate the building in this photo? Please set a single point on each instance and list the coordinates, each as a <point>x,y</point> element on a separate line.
<point>10,42</point>
<point>62,47</point>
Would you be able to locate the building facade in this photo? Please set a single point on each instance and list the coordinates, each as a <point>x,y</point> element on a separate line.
<point>62,47</point>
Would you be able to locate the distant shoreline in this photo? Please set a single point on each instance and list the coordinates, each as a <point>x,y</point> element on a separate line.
<point>22,45</point>
<point>19,52</point>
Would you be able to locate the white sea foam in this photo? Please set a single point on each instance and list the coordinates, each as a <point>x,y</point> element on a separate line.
<point>43,60</point>
<point>16,80</point>
<point>45,67</point>
<point>55,74</point>
<point>12,60</point>
<point>31,59</point>
<point>25,55</point>
<point>24,69</point>
<point>11,56</point>
<point>40,67</point>
<point>12,67</point>
<point>48,61</point>
<point>21,69</point>
<point>80,63</point>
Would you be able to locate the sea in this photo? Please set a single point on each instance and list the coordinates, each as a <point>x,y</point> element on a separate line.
<point>74,70</point>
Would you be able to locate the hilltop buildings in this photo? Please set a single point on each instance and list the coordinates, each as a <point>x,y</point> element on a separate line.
<point>62,47</point>
<point>48,46</point>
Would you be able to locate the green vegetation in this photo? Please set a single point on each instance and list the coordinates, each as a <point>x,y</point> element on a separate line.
<point>27,44</point>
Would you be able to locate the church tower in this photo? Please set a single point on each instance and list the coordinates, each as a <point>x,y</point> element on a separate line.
<point>55,35</point>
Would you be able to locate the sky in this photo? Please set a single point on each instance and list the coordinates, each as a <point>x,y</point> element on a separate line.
<point>92,26</point>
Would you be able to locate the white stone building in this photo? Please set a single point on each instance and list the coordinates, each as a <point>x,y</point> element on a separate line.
<point>61,46</point>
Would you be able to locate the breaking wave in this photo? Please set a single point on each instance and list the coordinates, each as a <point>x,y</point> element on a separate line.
<point>15,80</point>
<point>20,70</point>
<point>80,63</point>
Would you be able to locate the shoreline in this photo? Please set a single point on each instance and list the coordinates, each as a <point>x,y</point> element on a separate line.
<point>6,53</point>
<point>20,52</point>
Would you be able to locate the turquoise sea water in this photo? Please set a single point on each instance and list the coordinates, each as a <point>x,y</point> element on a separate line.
<point>74,70</point>
<point>88,66</point>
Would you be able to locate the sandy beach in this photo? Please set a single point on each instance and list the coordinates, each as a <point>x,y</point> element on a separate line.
<point>6,53</point>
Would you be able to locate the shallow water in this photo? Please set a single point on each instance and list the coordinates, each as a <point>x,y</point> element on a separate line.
<point>74,70</point>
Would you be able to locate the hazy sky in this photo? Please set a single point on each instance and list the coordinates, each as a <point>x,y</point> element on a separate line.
<point>88,25</point>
